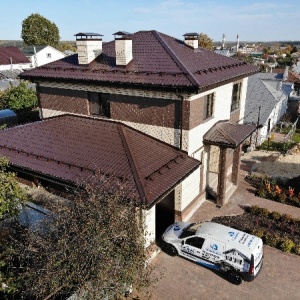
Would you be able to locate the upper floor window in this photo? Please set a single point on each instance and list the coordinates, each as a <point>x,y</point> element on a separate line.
<point>209,105</point>
<point>99,104</point>
<point>236,95</point>
<point>48,55</point>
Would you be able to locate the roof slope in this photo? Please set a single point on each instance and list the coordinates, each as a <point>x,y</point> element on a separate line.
<point>227,134</point>
<point>13,55</point>
<point>29,50</point>
<point>74,149</point>
<point>265,90</point>
<point>158,60</point>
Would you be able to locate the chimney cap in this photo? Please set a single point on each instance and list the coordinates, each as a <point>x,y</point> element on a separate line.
<point>122,33</point>
<point>87,34</point>
<point>191,34</point>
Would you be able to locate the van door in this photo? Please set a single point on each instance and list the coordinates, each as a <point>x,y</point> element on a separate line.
<point>192,247</point>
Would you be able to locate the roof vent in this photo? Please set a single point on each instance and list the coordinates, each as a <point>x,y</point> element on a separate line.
<point>123,46</point>
<point>89,46</point>
<point>191,39</point>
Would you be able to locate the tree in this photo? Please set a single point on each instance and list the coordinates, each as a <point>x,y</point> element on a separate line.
<point>244,57</point>
<point>12,196</point>
<point>205,41</point>
<point>95,247</point>
<point>18,97</point>
<point>22,100</point>
<point>37,30</point>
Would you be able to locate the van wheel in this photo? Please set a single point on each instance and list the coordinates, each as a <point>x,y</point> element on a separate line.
<point>170,249</point>
<point>234,277</point>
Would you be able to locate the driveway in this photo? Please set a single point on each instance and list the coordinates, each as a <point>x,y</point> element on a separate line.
<point>279,278</point>
<point>182,279</point>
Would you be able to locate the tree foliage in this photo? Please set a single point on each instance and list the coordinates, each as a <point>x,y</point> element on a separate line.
<point>95,248</point>
<point>18,97</point>
<point>37,30</point>
<point>11,194</point>
<point>205,41</point>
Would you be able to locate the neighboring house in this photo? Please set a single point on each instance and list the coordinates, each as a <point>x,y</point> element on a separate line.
<point>293,77</point>
<point>12,62</point>
<point>224,52</point>
<point>266,102</point>
<point>185,96</point>
<point>41,55</point>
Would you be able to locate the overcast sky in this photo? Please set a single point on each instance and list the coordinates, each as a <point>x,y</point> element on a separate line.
<point>267,20</point>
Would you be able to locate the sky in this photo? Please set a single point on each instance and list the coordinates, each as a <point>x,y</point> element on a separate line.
<point>267,20</point>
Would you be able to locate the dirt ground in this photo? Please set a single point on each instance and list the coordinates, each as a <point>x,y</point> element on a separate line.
<point>275,164</point>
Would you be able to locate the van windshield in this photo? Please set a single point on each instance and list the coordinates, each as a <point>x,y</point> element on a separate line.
<point>190,230</point>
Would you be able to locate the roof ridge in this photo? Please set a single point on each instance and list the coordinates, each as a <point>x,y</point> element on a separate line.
<point>184,69</point>
<point>129,154</point>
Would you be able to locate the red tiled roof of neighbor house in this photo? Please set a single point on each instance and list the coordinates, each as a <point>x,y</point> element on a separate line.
<point>228,134</point>
<point>73,149</point>
<point>12,55</point>
<point>158,60</point>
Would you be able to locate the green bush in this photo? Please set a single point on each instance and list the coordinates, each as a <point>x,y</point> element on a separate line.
<point>275,215</point>
<point>258,232</point>
<point>286,245</point>
<point>296,249</point>
<point>271,239</point>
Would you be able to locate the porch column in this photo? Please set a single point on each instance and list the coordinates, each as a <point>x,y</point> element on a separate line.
<point>222,176</point>
<point>236,165</point>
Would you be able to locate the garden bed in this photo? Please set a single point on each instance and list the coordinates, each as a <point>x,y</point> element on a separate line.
<point>277,230</point>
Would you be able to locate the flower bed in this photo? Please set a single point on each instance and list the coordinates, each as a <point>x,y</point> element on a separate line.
<point>277,230</point>
<point>280,190</point>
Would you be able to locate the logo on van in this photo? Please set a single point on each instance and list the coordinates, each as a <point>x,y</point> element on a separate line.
<point>231,233</point>
<point>176,227</point>
<point>214,247</point>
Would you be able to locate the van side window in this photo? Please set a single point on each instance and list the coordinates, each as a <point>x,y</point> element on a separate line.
<point>195,242</point>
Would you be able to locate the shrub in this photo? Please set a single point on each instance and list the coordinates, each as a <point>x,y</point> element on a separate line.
<point>286,218</point>
<point>275,215</point>
<point>286,245</point>
<point>271,239</point>
<point>282,198</point>
<point>258,232</point>
<point>254,210</point>
<point>296,249</point>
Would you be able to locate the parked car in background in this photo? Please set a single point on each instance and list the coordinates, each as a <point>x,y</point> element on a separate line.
<point>216,246</point>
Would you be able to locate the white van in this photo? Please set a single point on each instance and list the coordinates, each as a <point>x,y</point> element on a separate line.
<point>216,246</point>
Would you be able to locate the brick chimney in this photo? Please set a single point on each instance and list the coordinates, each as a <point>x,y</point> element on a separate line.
<point>191,39</point>
<point>89,46</point>
<point>123,45</point>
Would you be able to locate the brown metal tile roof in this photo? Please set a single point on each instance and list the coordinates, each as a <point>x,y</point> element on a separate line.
<point>73,149</point>
<point>12,53</point>
<point>228,134</point>
<point>158,60</point>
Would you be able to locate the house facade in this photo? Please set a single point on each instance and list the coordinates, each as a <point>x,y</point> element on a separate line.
<point>266,102</point>
<point>41,55</point>
<point>185,96</point>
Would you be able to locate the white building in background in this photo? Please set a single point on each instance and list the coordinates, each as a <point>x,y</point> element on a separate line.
<point>41,55</point>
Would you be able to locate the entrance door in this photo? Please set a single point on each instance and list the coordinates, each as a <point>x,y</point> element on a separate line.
<point>165,214</point>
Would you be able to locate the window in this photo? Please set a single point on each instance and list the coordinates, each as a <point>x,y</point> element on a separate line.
<point>99,104</point>
<point>48,55</point>
<point>195,242</point>
<point>236,94</point>
<point>209,105</point>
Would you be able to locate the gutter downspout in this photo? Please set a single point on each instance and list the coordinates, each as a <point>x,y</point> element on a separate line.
<point>180,118</point>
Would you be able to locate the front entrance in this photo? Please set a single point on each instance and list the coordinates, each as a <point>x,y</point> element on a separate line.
<point>165,214</point>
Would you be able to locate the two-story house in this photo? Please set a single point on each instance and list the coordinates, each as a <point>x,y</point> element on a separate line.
<point>182,95</point>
